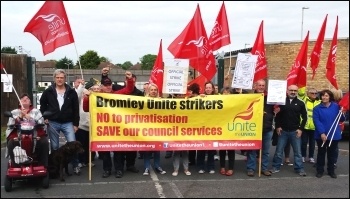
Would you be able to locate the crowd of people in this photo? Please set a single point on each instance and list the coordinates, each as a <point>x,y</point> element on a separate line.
<point>303,121</point>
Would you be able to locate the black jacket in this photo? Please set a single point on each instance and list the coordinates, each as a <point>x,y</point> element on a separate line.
<point>290,114</point>
<point>70,107</point>
<point>268,116</point>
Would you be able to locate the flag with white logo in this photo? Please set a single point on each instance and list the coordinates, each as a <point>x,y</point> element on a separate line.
<point>158,70</point>
<point>193,44</point>
<point>220,34</point>
<point>316,52</point>
<point>259,49</point>
<point>297,75</point>
<point>330,74</point>
<point>51,27</point>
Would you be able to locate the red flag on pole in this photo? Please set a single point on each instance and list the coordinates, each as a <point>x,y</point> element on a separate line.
<point>51,27</point>
<point>158,70</point>
<point>297,75</point>
<point>220,34</point>
<point>344,102</point>
<point>330,74</point>
<point>2,66</point>
<point>316,52</point>
<point>193,44</point>
<point>259,49</point>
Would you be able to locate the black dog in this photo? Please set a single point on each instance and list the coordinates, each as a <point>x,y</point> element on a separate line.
<point>60,159</point>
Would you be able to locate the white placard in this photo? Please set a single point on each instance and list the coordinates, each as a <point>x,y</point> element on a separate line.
<point>244,71</point>
<point>175,76</point>
<point>7,81</point>
<point>277,90</point>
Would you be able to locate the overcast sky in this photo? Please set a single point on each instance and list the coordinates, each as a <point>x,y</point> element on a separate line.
<point>126,31</point>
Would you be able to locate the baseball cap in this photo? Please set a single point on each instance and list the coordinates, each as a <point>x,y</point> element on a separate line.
<point>106,81</point>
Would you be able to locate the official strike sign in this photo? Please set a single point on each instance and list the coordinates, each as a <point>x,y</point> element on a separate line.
<point>129,123</point>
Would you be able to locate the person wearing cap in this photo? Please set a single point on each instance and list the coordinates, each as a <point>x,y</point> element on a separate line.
<point>106,87</point>
<point>62,101</point>
<point>23,113</point>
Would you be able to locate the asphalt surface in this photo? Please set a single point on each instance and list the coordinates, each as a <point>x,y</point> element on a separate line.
<point>285,184</point>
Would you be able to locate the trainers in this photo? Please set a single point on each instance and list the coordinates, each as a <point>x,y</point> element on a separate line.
<point>333,175</point>
<point>106,174</point>
<point>146,173</point>
<point>303,158</point>
<point>160,170</point>
<point>302,173</point>
<point>175,173</point>
<point>312,160</point>
<point>274,170</point>
<point>188,173</point>
<point>250,173</point>
<point>212,171</point>
<point>119,174</point>
<point>216,157</point>
<point>80,165</point>
<point>76,170</point>
<point>201,171</point>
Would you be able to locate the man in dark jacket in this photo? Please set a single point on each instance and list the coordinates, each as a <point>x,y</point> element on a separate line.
<point>269,113</point>
<point>62,101</point>
<point>289,127</point>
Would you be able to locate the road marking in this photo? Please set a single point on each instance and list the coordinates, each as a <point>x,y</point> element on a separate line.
<point>176,190</point>
<point>155,179</point>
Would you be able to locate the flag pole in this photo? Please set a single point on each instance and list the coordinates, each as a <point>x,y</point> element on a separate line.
<point>229,67</point>
<point>336,120</point>
<point>81,72</point>
<point>3,68</point>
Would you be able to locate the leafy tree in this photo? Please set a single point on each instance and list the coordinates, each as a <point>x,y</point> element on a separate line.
<point>90,60</point>
<point>105,59</point>
<point>147,61</point>
<point>65,63</point>
<point>126,65</point>
<point>9,50</point>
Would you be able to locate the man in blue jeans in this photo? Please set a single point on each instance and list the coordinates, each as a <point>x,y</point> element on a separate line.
<point>268,117</point>
<point>289,127</point>
<point>62,101</point>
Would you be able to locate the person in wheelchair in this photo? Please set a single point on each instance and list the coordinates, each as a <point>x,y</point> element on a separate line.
<point>27,112</point>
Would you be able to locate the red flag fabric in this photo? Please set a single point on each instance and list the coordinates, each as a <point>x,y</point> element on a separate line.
<point>158,70</point>
<point>200,80</point>
<point>316,52</point>
<point>2,66</point>
<point>220,34</point>
<point>193,44</point>
<point>344,102</point>
<point>51,27</point>
<point>297,75</point>
<point>259,49</point>
<point>330,74</point>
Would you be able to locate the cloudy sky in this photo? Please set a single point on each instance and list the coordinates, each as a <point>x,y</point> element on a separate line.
<point>126,31</point>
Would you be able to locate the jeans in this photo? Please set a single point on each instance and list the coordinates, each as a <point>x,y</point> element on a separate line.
<point>308,137</point>
<point>296,144</point>
<point>67,129</point>
<point>147,159</point>
<point>201,159</point>
<point>321,155</point>
<point>251,156</point>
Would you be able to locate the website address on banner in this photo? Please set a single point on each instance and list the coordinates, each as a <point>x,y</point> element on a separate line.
<point>235,144</point>
<point>112,146</point>
<point>190,145</point>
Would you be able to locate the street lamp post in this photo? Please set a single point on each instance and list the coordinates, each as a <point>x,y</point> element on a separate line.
<point>68,73</point>
<point>302,20</point>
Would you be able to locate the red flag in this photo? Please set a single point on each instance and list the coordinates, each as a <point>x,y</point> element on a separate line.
<point>200,80</point>
<point>259,49</point>
<point>193,44</point>
<point>2,66</point>
<point>316,52</point>
<point>50,26</point>
<point>220,34</point>
<point>158,70</point>
<point>297,75</point>
<point>344,102</point>
<point>330,74</point>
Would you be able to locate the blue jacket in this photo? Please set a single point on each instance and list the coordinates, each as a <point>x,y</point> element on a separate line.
<point>324,117</point>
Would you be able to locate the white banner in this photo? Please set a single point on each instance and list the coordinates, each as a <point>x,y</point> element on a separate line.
<point>277,92</point>
<point>244,71</point>
<point>7,80</point>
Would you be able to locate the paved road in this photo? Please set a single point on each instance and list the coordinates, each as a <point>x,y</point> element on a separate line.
<point>283,184</point>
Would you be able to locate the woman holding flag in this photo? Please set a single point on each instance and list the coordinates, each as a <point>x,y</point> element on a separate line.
<point>326,117</point>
